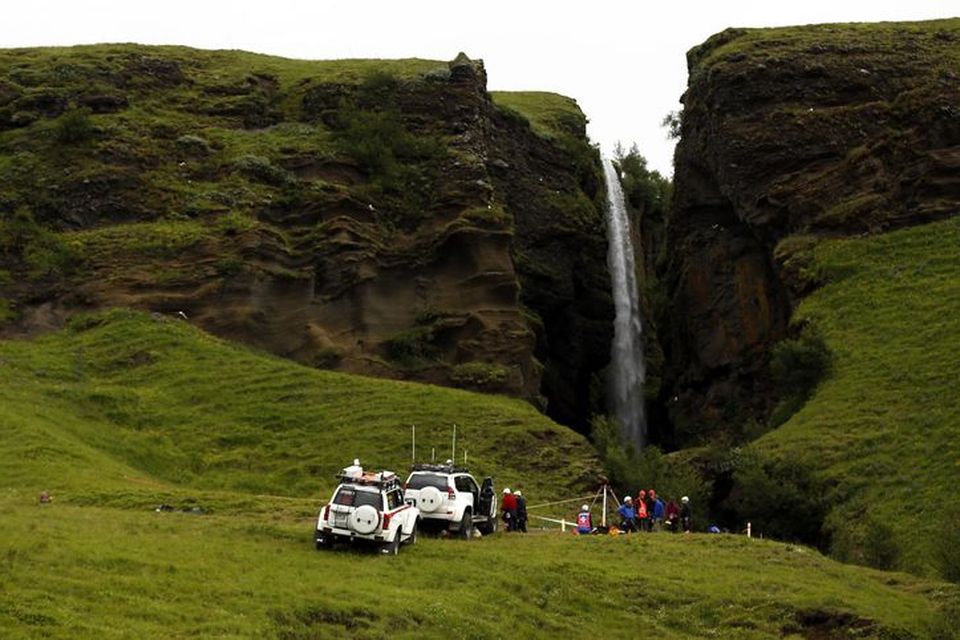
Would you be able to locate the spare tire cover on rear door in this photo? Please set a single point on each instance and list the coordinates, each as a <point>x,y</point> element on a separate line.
<point>430,499</point>
<point>365,519</point>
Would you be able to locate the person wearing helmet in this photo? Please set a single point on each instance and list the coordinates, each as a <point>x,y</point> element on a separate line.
<point>686,517</point>
<point>521,511</point>
<point>628,515</point>
<point>584,521</point>
<point>509,507</point>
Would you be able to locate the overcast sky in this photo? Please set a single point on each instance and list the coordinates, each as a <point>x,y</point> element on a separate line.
<point>623,61</point>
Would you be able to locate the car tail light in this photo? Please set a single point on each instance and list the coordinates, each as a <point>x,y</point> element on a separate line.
<point>451,494</point>
<point>386,521</point>
<point>326,512</point>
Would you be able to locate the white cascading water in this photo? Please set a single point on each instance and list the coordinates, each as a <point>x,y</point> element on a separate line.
<point>627,351</point>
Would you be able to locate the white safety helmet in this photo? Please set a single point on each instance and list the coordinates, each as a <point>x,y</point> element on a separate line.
<point>628,499</point>
<point>518,492</point>
<point>506,489</point>
<point>584,508</point>
<point>684,499</point>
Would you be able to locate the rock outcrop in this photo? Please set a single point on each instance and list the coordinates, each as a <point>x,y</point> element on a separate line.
<point>377,217</point>
<point>786,134</point>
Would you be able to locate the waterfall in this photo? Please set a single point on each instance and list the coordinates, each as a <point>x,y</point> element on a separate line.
<point>626,353</point>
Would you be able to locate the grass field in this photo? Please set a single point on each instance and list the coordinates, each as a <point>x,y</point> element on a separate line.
<point>71,571</point>
<point>884,427</point>
<point>123,411</point>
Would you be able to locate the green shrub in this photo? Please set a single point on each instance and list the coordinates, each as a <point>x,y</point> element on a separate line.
<point>947,544</point>
<point>647,191</point>
<point>193,146</point>
<point>228,266</point>
<point>880,549</point>
<point>74,126</point>
<point>6,311</point>
<point>629,470</point>
<point>48,255</point>
<point>327,357</point>
<point>379,141</point>
<point>41,250</point>
<point>780,497</point>
<point>378,87</point>
<point>412,346</point>
<point>234,223</point>
<point>260,169</point>
<point>797,366</point>
<point>673,123</point>
<point>479,374</point>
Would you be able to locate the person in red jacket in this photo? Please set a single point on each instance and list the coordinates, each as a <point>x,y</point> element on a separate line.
<point>673,517</point>
<point>509,507</point>
<point>643,516</point>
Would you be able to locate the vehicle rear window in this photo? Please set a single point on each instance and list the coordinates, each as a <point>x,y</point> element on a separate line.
<point>351,497</point>
<point>421,480</point>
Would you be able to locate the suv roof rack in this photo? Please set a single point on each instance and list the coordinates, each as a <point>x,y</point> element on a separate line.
<point>442,468</point>
<point>381,479</point>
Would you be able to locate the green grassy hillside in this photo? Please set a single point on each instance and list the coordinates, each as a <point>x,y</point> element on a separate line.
<point>128,406</point>
<point>884,428</point>
<point>73,572</point>
<point>122,411</point>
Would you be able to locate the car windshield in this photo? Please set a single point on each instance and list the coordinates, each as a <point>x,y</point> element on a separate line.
<point>353,497</point>
<point>421,480</point>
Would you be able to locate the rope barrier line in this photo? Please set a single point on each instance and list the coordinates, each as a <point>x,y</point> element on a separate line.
<point>547,504</point>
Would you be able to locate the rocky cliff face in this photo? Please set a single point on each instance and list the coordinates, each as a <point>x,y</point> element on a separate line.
<point>787,135</point>
<point>377,217</point>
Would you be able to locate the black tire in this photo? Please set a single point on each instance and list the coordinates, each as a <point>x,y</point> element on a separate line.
<point>489,527</point>
<point>323,542</point>
<point>466,525</point>
<point>412,538</point>
<point>391,548</point>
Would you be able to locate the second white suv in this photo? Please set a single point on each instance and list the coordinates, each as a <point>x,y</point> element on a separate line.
<point>450,496</point>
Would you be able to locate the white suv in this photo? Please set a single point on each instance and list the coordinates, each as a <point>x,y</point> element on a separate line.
<point>449,495</point>
<point>368,506</point>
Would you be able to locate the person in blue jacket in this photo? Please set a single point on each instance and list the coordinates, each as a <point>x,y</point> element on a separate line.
<point>628,515</point>
<point>658,511</point>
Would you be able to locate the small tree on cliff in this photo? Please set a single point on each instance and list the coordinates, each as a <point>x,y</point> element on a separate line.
<point>645,190</point>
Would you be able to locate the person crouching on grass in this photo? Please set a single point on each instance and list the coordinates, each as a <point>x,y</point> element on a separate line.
<point>509,507</point>
<point>628,516</point>
<point>584,521</point>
